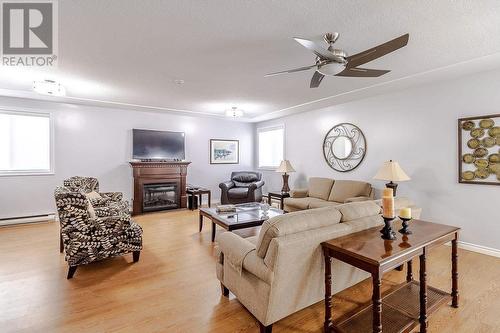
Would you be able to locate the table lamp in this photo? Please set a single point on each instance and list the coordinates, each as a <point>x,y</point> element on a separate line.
<point>285,167</point>
<point>391,171</point>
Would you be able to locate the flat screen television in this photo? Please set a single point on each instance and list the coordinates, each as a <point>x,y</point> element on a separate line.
<point>158,145</point>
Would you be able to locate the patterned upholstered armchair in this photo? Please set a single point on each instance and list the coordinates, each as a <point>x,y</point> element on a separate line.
<point>94,227</point>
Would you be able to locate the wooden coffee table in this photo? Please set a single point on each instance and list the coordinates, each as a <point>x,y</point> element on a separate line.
<point>246,216</point>
<point>407,305</point>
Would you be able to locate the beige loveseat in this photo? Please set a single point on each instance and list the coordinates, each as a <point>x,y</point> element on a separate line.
<point>281,270</point>
<point>325,192</point>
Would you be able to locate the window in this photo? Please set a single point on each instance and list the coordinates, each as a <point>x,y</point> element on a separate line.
<point>25,143</point>
<point>271,144</point>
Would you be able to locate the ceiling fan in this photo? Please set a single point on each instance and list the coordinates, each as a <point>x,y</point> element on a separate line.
<point>336,62</point>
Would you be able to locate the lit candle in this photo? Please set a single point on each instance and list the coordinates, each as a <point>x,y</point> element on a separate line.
<point>405,213</point>
<point>388,206</point>
<point>387,192</point>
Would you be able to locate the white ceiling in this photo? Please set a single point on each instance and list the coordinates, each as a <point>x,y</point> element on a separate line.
<point>128,52</point>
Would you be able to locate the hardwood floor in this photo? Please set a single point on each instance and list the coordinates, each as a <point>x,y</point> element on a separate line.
<point>173,288</point>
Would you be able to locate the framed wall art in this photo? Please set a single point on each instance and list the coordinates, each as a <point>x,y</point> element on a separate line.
<point>479,150</point>
<point>224,151</point>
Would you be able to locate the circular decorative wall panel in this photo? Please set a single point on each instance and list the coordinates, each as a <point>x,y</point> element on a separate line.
<point>344,147</point>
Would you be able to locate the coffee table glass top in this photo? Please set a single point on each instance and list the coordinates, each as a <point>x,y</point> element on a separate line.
<point>247,212</point>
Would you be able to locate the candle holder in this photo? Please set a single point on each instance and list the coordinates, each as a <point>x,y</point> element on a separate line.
<point>405,230</point>
<point>387,232</point>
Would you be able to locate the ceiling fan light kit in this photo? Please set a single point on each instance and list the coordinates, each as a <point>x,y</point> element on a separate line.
<point>336,62</point>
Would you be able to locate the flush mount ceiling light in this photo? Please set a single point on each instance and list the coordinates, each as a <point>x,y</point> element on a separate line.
<point>234,112</point>
<point>49,87</point>
<point>179,82</point>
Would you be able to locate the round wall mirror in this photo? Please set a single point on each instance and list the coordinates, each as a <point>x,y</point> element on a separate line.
<point>344,147</point>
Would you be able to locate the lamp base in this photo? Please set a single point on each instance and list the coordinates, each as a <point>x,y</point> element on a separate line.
<point>392,185</point>
<point>285,188</point>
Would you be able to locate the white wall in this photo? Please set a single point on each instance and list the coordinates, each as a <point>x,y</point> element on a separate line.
<point>417,128</point>
<point>91,141</point>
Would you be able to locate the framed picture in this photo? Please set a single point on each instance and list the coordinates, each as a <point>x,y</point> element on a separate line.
<point>479,150</point>
<point>224,151</point>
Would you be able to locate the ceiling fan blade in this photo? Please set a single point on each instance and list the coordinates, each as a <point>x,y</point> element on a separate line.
<point>362,72</point>
<point>316,79</point>
<point>305,68</point>
<point>377,51</point>
<point>318,50</point>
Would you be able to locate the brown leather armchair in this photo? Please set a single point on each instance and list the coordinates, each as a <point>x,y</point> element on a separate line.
<point>244,186</point>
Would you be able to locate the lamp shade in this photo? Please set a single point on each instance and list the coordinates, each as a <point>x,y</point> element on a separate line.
<point>285,166</point>
<point>391,171</point>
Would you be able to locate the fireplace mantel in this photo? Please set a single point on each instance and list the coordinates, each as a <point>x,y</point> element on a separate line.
<point>156,173</point>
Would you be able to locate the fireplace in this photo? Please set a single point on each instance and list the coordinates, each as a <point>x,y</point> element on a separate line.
<point>159,197</point>
<point>159,185</point>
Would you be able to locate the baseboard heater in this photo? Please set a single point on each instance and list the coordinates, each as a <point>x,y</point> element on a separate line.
<point>27,219</point>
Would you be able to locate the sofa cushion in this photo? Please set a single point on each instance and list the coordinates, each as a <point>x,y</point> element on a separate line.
<point>241,184</point>
<point>345,189</point>
<point>318,203</point>
<point>320,187</point>
<point>293,223</point>
<point>238,192</point>
<point>356,210</point>
<point>297,203</point>
<point>246,177</point>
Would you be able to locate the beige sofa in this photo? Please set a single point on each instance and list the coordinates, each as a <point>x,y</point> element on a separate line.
<point>326,192</point>
<point>281,270</point>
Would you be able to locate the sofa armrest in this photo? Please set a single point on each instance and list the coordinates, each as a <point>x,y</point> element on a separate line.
<point>226,185</point>
<point>235,249</point>
<point>357,199</point>
<point>256,185</point>
<point>299,193</point>
<point>256,265</point>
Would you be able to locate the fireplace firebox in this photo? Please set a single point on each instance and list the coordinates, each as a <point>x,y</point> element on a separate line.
<point>160,197</point>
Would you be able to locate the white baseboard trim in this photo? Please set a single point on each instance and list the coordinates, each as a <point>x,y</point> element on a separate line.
<point>24,220</point>
<point>478,249</point>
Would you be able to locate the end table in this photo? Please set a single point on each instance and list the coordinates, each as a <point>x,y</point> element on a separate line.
<point>277,195</point>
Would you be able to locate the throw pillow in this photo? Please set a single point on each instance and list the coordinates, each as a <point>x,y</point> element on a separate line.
<point>93,195</point>
<point>91,210</point>
<point>246,177</point>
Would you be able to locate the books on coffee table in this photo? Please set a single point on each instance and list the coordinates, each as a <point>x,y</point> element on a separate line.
<point>225,209</point>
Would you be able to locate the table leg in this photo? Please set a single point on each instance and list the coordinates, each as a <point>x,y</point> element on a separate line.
<point>281,203</point>
<point>328,325</point>
<point>423,294</point>
<point>201,200</point>
<point>269,199</point>
<point>209,199</point>
<point>409,272</point>
<point>213,232</point>
<point>201,222</point>
<point>377,303</point>
<point>454,271</point>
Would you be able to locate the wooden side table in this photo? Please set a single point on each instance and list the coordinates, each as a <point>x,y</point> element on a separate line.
<point>277,195</point>
<point>407,305</point>
<point>197,192</point>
